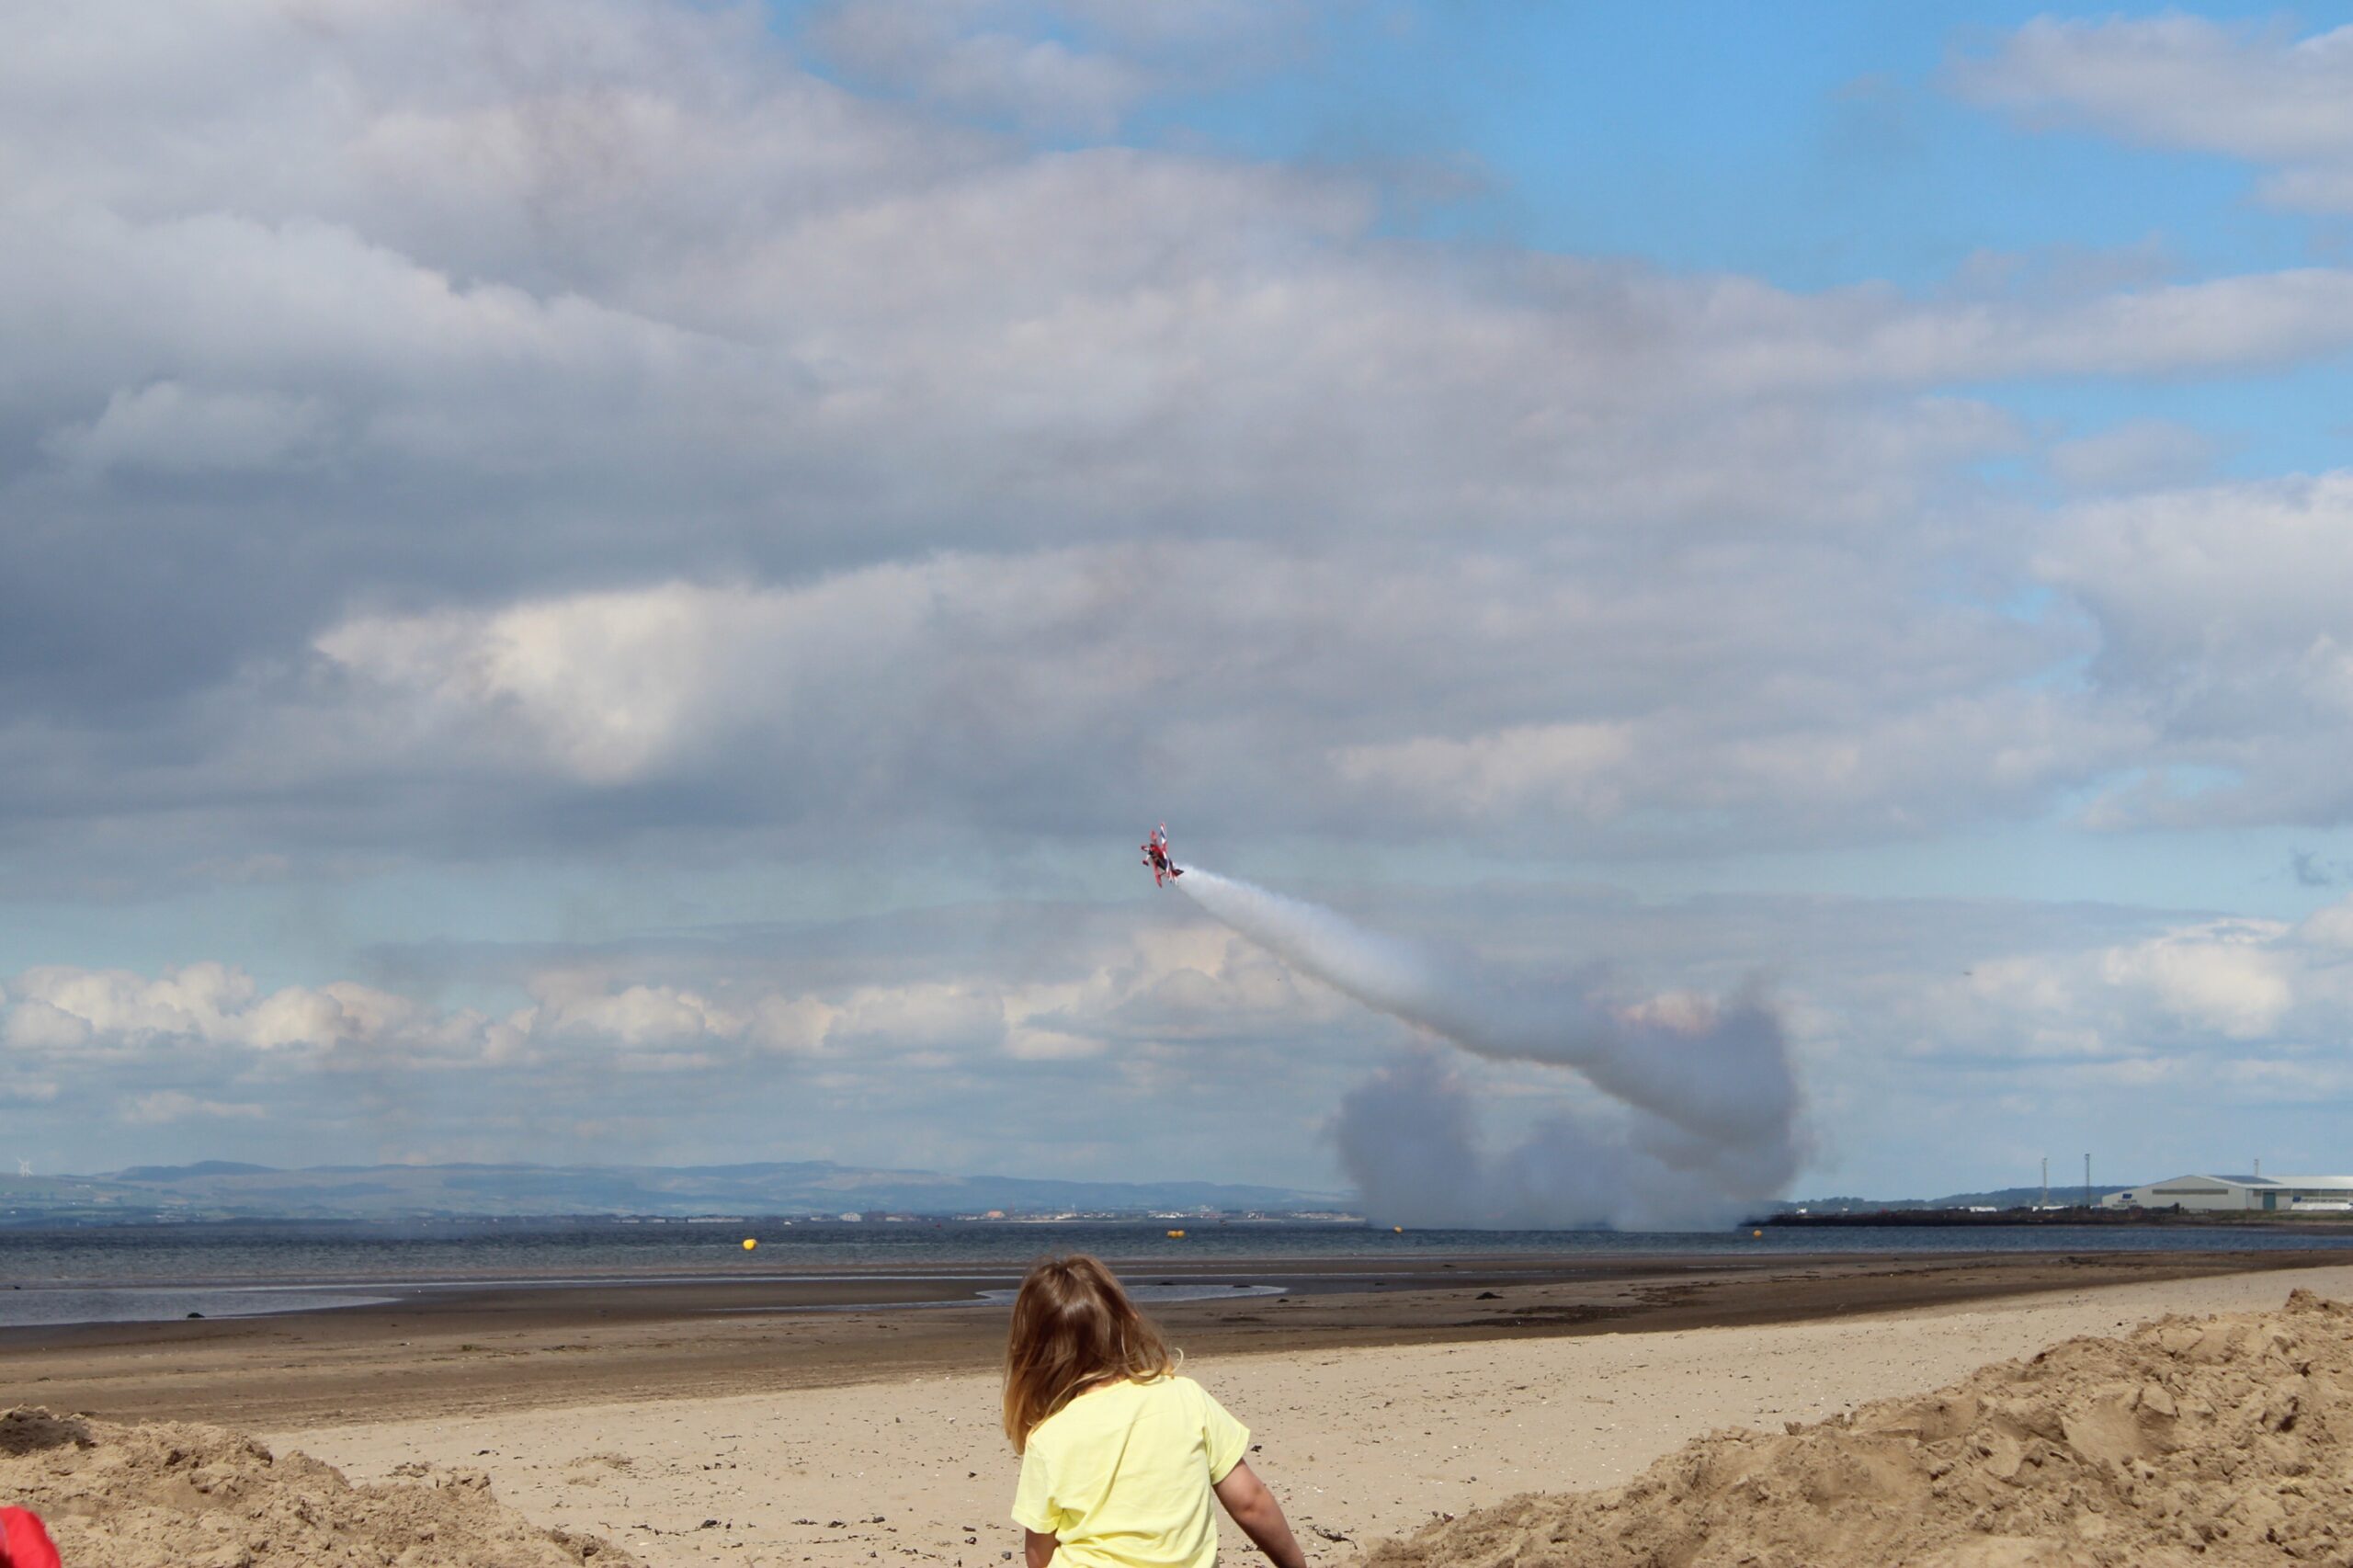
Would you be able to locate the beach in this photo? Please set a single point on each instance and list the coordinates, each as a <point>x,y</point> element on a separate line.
<point>696,1436</point>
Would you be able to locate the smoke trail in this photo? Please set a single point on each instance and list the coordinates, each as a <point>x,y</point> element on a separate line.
<point>1713,1104</point>
<point>1409,1140</point>
<point>1720,1073</point>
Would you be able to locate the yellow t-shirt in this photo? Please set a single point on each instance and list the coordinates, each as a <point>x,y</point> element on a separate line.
<point>1121,1475</point>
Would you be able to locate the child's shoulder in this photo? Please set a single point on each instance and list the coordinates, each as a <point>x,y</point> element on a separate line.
<point>1173,1388</point>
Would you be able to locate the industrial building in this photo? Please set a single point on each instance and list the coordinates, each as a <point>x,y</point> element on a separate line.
<point>2308,1194</point>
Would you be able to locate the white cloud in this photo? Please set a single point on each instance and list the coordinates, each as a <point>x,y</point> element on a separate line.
<point>171,1105</point>
<point>613,685</point>
<point>35,1024</point>
<point>2219,619</point>
<point>2331,926</point>
<point>2224,979</point>
<point>1187,984</point>
<point>1049,1045</point>
<point>581,1006</point>
<point>2201,992</point>
<point>743,1051</point>
<point>1052,65</point>
<point>2250,90</point>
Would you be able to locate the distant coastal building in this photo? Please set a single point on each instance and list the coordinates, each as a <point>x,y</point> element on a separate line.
<point>2307,1194</point>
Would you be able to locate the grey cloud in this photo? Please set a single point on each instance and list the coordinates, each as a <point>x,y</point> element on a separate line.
<point>623,297</point>
<point>2313,870</point>
<point>2137,455</point>
<point>923,701</point>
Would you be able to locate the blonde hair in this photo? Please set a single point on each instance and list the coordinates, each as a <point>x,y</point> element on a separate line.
<point>1072,1328</point>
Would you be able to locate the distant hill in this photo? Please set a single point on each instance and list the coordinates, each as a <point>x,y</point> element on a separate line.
<point>175,1173</point>
<point>228,1189</point>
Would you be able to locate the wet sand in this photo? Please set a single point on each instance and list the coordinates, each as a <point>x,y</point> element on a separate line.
<point>472,1352</point>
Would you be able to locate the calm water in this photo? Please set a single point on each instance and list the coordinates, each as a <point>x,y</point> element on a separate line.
<point>153,1273</point>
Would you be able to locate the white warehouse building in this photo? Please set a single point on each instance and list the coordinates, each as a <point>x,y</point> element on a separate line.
<point>2307,1193</point>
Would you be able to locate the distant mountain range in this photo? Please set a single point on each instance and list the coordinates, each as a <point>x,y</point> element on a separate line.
<point>228,1189</point>
<point>225,1189</point>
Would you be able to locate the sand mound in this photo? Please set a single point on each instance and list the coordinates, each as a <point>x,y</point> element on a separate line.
<point>171,1496</point>
<point>2214,1440</point>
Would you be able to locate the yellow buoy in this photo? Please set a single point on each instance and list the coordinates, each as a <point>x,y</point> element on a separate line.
<point>1397,1230</point>
<point>1759,1234</point>
<point>1175,1235</point>
<point>749,1242</point>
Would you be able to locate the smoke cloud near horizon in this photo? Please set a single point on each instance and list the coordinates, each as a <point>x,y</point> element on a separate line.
<point>1708,1124</point>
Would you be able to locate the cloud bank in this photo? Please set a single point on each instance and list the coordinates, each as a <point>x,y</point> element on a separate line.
<point>505,425</point>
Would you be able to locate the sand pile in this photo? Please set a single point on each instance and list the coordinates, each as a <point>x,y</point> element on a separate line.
<point>2214,1440</point>
<point>170,1495</point>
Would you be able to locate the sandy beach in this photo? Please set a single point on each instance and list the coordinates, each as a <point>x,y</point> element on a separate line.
<point>1362,1441</point>
<point>684,1431</point>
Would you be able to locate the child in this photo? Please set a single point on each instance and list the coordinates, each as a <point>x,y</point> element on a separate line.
<point>1119,1455</point>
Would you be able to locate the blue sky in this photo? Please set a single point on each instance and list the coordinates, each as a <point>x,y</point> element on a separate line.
<point>619,576</point>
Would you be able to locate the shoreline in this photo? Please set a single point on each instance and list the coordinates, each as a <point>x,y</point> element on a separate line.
<point>43,1302</point>
<point>472,1350</point>
<point>2275,1223</point>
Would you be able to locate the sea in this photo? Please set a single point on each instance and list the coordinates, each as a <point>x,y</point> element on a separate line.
<point>155,1273</point>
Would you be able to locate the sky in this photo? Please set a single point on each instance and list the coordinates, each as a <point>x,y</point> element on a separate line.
<point>616,580</point>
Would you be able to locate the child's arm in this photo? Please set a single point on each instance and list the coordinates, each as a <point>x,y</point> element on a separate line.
<point>1037,1551</point>
<point>1261,1517</point>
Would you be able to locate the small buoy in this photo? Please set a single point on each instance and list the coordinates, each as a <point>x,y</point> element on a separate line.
<point>1759,1234</point>
<point>1397,1230</point>
<point>1175,1235</point>
<point>750,1242</point>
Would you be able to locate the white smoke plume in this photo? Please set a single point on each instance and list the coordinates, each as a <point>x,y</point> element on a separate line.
<point>1710,1118</point>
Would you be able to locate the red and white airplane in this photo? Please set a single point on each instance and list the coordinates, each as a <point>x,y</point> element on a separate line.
<point>1155,855</point>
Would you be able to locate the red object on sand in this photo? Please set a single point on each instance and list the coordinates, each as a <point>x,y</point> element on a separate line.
<point>23,1542</point>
